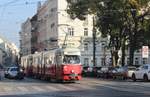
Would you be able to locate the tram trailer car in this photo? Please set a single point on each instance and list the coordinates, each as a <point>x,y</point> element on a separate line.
<point>57,64</point>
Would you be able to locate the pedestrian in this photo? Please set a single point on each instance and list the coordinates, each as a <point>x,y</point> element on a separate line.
<point>1,72</point>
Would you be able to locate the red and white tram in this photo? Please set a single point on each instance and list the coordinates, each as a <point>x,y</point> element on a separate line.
<point>58,64</point>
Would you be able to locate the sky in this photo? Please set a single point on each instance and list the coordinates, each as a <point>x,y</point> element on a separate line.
<point>12,14</point>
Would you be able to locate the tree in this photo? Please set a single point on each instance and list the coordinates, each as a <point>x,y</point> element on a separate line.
<point>139,9</point>
<point>122,20</point>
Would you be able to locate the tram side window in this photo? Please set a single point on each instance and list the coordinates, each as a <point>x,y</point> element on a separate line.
<point>50,62</point>
<point>49,59</point>
<point>39,60</point>
<point>30,61</point>
<point>46,61</point>
<point>34,61</point>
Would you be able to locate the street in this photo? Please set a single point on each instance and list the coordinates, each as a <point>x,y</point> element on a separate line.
<point>88,87</point>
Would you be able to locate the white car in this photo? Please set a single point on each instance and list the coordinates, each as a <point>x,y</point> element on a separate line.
<point>131,70</point>
<point>142,73</point>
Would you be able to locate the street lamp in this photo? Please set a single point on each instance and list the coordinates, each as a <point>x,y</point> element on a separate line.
<point>104,52</point>
<point>94,40</point>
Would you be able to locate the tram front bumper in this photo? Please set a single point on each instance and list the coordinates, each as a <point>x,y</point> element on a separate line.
<point>72,77</point>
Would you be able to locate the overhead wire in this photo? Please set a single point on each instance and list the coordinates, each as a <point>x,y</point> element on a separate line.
<point>5,6</point>
<point>15,3</point>
<point>25,3</point>
<point>11,3</point>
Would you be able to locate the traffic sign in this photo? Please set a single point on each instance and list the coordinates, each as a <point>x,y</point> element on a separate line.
<point>145,52</point>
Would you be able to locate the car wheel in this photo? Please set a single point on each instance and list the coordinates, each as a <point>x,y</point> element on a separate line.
<point>145,77</point>
<point>133,77</point>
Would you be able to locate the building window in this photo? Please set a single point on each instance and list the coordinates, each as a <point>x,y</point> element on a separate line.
<point>71,31</point>
<point>52,25</point>
<point>85,31</point>
<point>53,9</point>
<point>136,61</point>
<point>128,61</point>
<point>103,47</point>
<point>70,45</point>
<point>110,61</point>
<point>102,61</point>
<point>86,47</point>
<point>144,60</point>
<point>86,61</point>
<point>138,51</point>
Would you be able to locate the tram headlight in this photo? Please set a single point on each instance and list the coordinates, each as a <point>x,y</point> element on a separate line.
<point>72,71</point>
<point>65,68</point>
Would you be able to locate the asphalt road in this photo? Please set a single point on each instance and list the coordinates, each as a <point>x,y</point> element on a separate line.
<point>88,87</point>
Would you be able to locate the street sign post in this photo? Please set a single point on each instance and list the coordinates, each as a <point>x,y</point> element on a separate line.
<point>145,52</point>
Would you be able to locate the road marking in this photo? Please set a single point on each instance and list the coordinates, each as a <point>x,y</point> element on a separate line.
<point>52,88</point>
<point>67,87</point>
<point>23,89</point>
<point>8,89</point>
<point>83,86</point>
<point>37,88</point>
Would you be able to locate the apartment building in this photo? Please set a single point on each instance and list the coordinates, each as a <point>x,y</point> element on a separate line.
<point>25,37</point>
<point>9,52</point>
<point>58,30</point>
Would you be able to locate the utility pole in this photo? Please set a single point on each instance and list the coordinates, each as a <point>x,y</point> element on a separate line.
<point>94,44</point>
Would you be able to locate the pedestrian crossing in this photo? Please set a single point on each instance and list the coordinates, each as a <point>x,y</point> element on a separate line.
<point>48,87</point>
<point>31,88</point>
<point>25,89</point>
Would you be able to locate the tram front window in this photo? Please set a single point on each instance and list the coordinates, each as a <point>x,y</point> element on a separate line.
<point>71,59</point>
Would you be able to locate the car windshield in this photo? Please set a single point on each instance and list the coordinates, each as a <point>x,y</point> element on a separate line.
<point>13,69</point>
<point>131,68</point>
<point>71,59</point>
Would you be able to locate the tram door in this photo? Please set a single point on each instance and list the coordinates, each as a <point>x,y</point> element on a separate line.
<point>59,65</point>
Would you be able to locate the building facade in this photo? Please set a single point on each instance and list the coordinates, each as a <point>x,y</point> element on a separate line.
<point>25,38</point>
<point>34,34</point>
<point>9,52</point>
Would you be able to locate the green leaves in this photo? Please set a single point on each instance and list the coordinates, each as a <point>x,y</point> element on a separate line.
<point>78,9</point>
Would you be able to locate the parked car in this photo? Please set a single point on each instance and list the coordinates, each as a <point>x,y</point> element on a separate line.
<point>105,72</point>
<point>14,72</point>
<point>87,71</point>
<point>124,72</point>
<point>142,73</point>
<point>96,70</point>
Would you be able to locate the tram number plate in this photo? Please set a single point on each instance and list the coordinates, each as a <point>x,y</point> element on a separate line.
<point>73,75</point>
